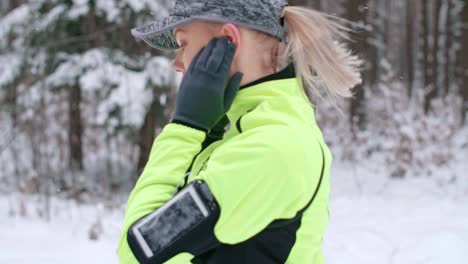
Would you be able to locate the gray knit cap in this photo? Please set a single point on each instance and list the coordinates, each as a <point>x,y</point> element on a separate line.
<point>261,15</point>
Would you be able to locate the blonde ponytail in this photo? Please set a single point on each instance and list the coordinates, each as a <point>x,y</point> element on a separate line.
<point>313,43</point>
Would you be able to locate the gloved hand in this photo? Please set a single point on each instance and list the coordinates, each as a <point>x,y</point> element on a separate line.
<point>206,92</point>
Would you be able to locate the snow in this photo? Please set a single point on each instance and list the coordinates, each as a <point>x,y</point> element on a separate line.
<point>393,221</point>
<point>25,241</point>
<point>97,70</point>
<point>110,8</point>
<point>113,9</point>
<point>421,218</point>
<point>15,17</point>
<point>374,219</point>
<point>51,18</point>
<point>13,25</point>
<point>397,230</point>
<point>65,239</point>
<point>79,9</point>
<point>10,66</point>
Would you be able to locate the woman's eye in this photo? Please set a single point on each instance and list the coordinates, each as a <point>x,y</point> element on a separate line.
<point>181,44</point>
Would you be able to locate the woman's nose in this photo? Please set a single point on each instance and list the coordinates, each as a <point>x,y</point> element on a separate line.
<point>178,68</point>
<point>178,65</point>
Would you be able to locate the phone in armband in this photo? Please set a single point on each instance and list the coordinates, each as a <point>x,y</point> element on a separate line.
<point>161,235</point>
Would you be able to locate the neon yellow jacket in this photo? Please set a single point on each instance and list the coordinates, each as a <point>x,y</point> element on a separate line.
<point>267,167</point>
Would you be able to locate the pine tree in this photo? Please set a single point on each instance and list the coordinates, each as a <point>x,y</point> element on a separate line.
<point>80,57</point>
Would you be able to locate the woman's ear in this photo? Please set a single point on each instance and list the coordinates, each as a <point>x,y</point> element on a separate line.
<point>231,32</point>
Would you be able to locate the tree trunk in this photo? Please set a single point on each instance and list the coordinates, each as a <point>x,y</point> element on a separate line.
<point>75,128</point>
<point>318,5</point>
<point>299,2</point>
<point>410,40</point>
<point>147,134</point>
<point>447,48</point>
<point>463,61</point>
<point>388,24</point>
<point>155,117</point>
<point>373,17</point>
<point>357,12</point>
<point>425,63</point>
<point>435,49</point>
<point>430,50</point>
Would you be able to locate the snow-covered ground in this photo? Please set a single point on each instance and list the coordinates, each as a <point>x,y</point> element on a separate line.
<point>64,239</point>
<point>400,221</point>
<point>421,230</point>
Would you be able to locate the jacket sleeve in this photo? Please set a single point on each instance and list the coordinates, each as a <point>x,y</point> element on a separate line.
<point>171,155</point>
<point>261,175</point>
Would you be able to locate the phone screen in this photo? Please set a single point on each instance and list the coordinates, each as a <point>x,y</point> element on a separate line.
<point>175,218</point>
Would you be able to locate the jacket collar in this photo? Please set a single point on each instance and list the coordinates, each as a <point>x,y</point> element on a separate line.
<point>250,95</point>
<point>286,73</point>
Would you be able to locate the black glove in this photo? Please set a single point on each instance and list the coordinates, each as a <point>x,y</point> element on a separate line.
<point>206,92</point>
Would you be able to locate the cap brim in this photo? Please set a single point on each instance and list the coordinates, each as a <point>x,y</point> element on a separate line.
<point>159,34</point>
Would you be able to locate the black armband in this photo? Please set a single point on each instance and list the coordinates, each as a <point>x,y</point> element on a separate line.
<point>183,224</point>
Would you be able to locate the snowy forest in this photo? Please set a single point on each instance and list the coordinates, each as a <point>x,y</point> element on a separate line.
<point>81,102</point>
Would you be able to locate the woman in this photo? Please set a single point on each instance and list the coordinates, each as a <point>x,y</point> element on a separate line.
<point>247,65</point>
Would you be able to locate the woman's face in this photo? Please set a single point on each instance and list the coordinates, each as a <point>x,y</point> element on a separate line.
<point>191,38</point>
<point>253,56</point>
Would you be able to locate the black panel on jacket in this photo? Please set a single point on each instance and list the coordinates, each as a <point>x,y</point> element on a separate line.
<point>271,246</point>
